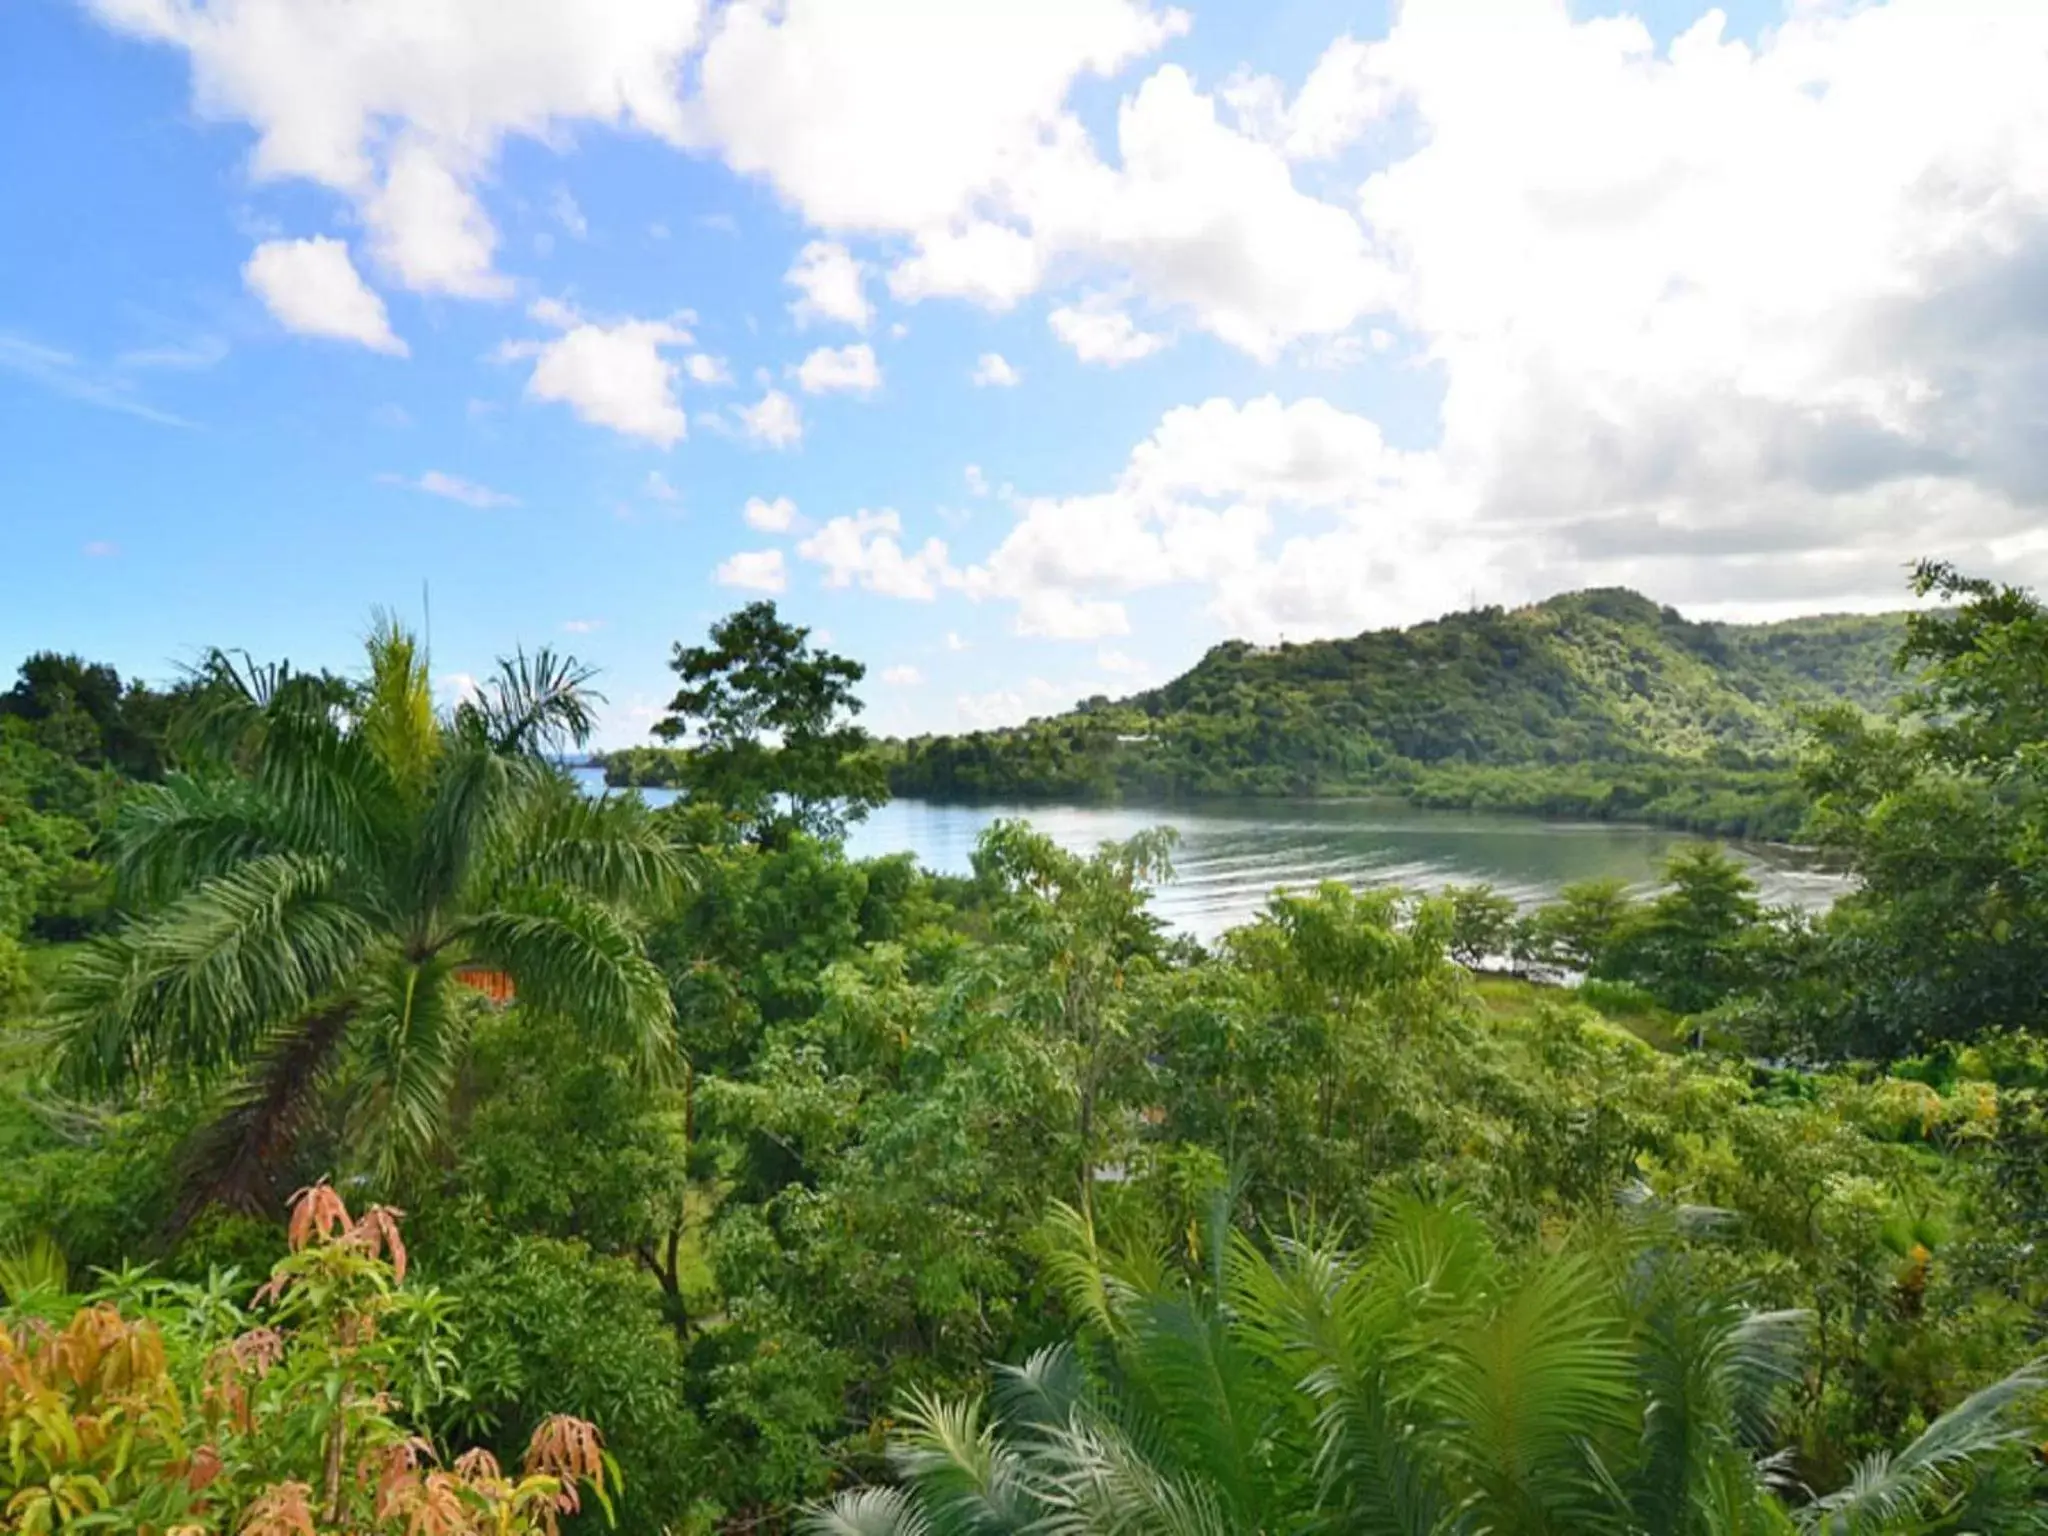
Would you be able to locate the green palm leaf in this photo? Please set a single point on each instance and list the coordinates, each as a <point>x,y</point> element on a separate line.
<point>1886,1490</point>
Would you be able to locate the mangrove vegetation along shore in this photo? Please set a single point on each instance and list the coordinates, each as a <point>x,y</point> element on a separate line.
<point>749,1187</point>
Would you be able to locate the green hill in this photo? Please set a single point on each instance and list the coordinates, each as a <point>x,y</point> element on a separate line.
<point>1594,703</point>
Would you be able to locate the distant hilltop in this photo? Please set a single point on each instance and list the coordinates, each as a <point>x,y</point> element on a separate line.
<point>1598,702</point>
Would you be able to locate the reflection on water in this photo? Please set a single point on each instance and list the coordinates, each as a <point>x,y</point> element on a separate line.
<point>1233,853</point>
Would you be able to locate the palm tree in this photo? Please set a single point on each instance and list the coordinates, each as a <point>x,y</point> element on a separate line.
<point>310,893</point>
<point>1430,1386</point>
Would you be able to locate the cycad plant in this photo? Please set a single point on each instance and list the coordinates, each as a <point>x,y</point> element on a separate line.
<point>307,895</point>
<point>1427,1386</point>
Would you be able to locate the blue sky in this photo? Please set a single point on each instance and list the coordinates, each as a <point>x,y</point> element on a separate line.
<point>1311,318</point>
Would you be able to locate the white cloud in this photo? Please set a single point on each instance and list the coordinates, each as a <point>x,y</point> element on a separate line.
<point>865,550</point>
<point>954,642</point>
<point>1121,664</point>
<point>773,419</point>
<point>454,488</point>
<point>456,686</point>
<point>902,677</point>
<point>1102,333</point>
<point>1341,98</point>
<point>977,482</point>
<point>777,516</point>
<point>581,626</point>
<point>829,284</point>
<point>988,264</point>
<point>100,549</point>
<point>831,369</point>
<point>898,115</point>
<point>401,105</point>
<point>703,368</point>
<point>611,375</point>
<point>992,369</point>
<point>659,489</point>
<point>312,287</point>
<point>1058,615</point>
<point>755,570</point>
<point>1194,505</point>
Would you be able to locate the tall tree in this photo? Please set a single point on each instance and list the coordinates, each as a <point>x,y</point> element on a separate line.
<point>310,896</point>
<point>1944,816</point>
<point>769,723</point>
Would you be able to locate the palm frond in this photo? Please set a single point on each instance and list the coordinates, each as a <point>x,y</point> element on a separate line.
<point>395,709</point>
<point>532,705</point>
<point>1046,1391</point>
<point>1528,1384</point>
<point>966,1478</point>
<point>170,836</point>
<point>866,1512</point>
<point>200,984</point>
<point>1102,1485</point>
<point>1337,1330</point>
<point>575,958</point>
<point>467,826</point>
<point>1204,1395</point>
<point>406,1049</point>
<point>1889,1488</point>
<point>612,848</point>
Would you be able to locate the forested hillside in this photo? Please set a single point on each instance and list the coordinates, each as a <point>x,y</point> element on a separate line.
<point>1596,702</point>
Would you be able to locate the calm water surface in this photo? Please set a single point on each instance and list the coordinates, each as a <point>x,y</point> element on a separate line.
<point>1234,853</point>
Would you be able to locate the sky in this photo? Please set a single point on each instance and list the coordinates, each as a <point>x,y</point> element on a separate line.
<point>1022,348</point>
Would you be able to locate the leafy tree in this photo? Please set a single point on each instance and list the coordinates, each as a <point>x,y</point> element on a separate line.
<point>1573,932</point>
<point>83,711</point>
<point>1075,939</point>
<point>1482,923</point>
<point>769,720</point>
<point>1686,946</point>
<point>311,899</point>
<point>1944,817</point>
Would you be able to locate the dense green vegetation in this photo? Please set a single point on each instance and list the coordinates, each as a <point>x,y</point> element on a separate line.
<point>841,1196</point>
<point>1593,704</point>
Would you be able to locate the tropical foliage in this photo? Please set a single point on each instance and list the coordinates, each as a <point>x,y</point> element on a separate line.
<point>168,1408</point>
<point>310,894</point>
<point>1635,1211</point>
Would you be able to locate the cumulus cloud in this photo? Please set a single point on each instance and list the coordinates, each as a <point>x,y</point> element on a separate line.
<point>703,368</point>
<point>829,286</point>
<point>988,264</point>
<point>993,370</point>
<point>401,105</point>
<point>753,570</point>
<point>866,550</point>
<point>777,516</point>
<point>1102,333</point>
<point>454,488</point>
<point>1728,313</point>
<point>612,375</point>
<point>658,488</point>
<point>894,115</point>
<point>311,287</point>
<point>774,420</point>
<point>840,369</point>
<point>902,677</point>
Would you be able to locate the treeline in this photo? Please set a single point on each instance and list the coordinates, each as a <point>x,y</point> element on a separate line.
<point>1594,703</point>
<point>836,1195</point>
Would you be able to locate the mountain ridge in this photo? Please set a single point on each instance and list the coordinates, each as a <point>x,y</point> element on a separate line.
<point>1602,700</point>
